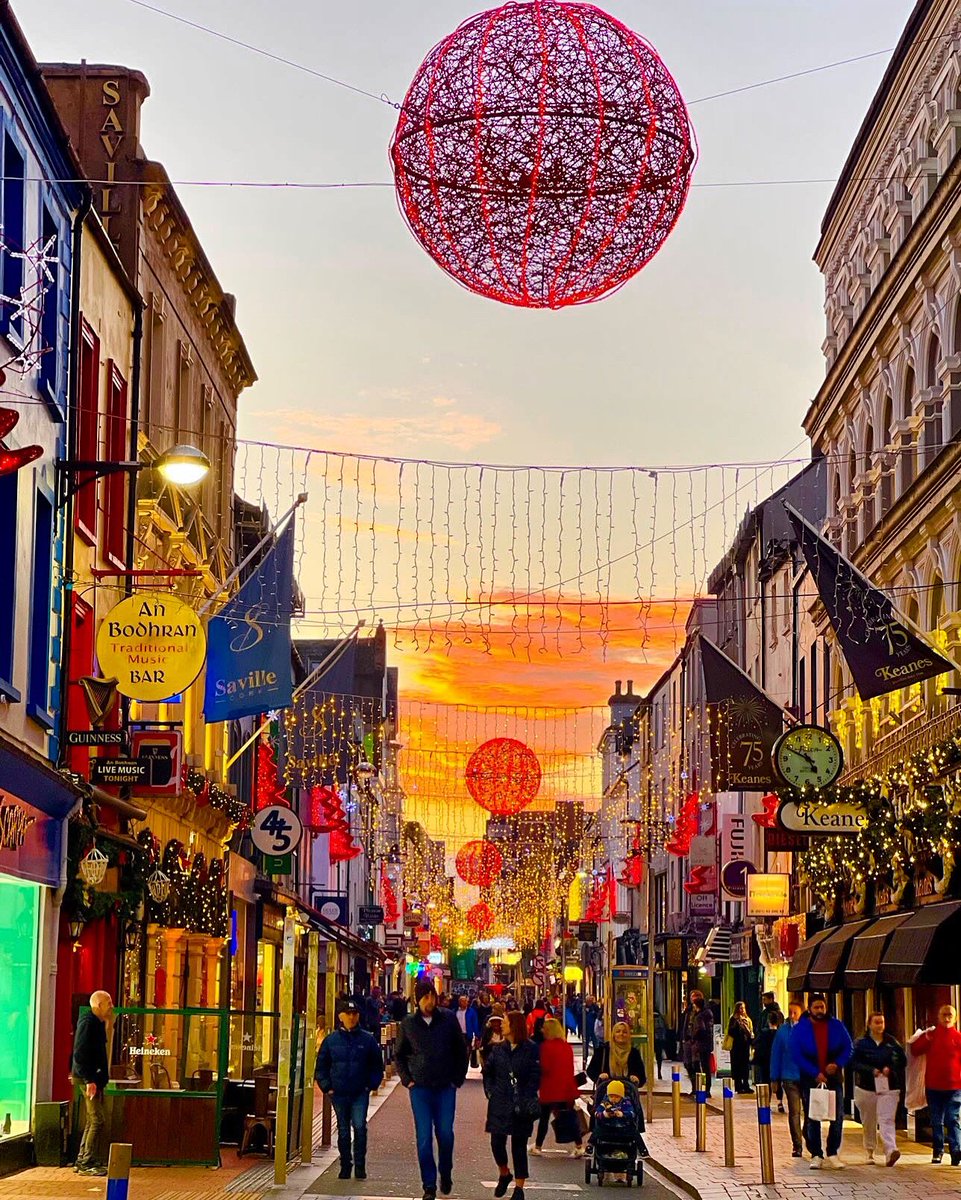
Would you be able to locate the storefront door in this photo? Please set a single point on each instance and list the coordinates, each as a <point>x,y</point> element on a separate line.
<point>19,943</point>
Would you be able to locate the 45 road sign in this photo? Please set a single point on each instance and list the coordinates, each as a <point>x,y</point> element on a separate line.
<point>276,830</point>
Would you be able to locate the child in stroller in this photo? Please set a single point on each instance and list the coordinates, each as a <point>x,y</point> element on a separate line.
<point>616,1141</point>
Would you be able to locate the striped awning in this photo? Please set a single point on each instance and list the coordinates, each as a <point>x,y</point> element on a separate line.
<point>717,945</point>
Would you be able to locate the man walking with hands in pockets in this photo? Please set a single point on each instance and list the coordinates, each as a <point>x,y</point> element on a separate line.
<point>431,1058</point>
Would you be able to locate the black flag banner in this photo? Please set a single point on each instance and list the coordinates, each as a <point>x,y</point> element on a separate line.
<point>881,646</point>
<point>745,723</point>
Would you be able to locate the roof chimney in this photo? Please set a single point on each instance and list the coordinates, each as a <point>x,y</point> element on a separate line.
<point>617,687</point>
<point>630,687</point>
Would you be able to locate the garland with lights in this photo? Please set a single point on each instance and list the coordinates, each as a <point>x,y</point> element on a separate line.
<point>913,822</point>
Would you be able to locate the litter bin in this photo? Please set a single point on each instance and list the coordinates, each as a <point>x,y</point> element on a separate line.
<point>51,1133</point>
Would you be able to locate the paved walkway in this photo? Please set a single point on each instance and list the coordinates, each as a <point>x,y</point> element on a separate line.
<point>705,1176</point>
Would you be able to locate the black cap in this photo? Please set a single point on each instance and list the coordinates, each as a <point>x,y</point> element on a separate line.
<point>350,1006</point>
<point>422,988</point>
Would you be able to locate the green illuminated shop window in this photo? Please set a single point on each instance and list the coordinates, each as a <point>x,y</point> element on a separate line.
<point>19,910</point>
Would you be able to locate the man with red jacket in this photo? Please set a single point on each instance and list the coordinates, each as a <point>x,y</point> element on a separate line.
<point>942,1081</point>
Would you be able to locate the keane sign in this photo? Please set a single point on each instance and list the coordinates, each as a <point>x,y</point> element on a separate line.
<point>153,644</point>
<point>812,816</point>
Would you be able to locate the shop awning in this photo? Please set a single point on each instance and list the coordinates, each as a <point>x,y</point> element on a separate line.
<point>36,782</point>
<point>827,966</point>
<point>338,933</point>
<point>801,962</point>
<point>867,950</point>
<point>925,948</point>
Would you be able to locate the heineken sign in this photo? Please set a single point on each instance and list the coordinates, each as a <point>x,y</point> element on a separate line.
<point>813,816</point>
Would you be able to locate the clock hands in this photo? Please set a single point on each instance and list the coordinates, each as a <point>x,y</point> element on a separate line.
<point>807,758</point>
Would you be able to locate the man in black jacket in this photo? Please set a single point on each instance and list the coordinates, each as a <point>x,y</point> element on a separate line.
<point>431,1060</point>
<point>90,1068</point>
<point>349,1067</point>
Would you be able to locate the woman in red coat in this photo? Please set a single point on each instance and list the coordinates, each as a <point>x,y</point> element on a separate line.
<point>558,1089</point>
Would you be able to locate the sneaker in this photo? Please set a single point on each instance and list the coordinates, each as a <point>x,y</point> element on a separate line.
<point>955,1159</point>
<point>344,1172</point>
<point>502,1184</point>
<point>536,1150</point>
<point>446,1185</point>
<point>833,1163</point>
<point>936,1158</point>
<point>93,1170</point>
<point>780,1108</point>
<point>892,1158</point>
<point>517,1193</point>
<point>817,1163</point>
<point>869,1157</point>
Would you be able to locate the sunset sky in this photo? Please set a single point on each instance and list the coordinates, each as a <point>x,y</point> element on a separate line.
<point>362,346</point>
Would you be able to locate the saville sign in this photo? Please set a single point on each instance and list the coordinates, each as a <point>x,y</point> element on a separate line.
<point>154,645</point>
<point>812,816</point>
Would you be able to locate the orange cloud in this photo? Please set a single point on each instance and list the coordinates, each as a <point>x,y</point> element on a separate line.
<point>368,433</point>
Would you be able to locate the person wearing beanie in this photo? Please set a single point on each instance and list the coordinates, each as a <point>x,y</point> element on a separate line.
<point>431,1059</point>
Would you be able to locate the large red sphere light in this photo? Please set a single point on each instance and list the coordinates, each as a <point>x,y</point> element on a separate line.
<point>480,918</point>
<point>503,776</point>
<point>543,154</point>
<point>479,863</point>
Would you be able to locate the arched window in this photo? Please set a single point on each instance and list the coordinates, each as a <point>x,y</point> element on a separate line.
<point>933,361</point>
<point>887,421</point>
<point>907,396</point>
<point>936,605</point>
<point>956,344</point>
<point>869,447</point>
<point>852,469</point>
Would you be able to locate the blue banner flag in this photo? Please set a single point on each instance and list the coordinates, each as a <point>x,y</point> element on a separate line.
<point>248,642</point>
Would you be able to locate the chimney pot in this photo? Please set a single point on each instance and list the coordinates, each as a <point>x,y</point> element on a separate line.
<point>630,687</point>
<point>617,687</point>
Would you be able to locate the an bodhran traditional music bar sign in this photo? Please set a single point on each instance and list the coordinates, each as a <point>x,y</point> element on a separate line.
<point>154,645</point>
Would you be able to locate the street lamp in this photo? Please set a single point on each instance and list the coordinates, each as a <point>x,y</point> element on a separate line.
<point>181,465</point>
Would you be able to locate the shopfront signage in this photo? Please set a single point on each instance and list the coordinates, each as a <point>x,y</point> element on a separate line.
<point>276,829</point>
<point>371,914</point>
<point>154,645</point>
<point>586,931</point>
<point>119,772</point>
<point>778,841</point>
<point>332,906</point>
<point>768,895</point>
<point>161,751</point>
<point>742,948</point>
<point>811,816</point>
<point>277,864</point>
<point>30,842</point>
<point>734,877</point>
<point>97,737</point>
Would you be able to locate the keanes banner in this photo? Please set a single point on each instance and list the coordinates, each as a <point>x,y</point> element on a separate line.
<point>882,648</point>
<point>745,723</point>
<point>248,656</point>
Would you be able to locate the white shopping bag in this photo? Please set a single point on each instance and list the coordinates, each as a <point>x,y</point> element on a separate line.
<point>915,1096</point>
<point>822,1105</point>
<point>881,1085</point>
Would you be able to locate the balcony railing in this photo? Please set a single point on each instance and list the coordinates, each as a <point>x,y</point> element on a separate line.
<point>915,736</point>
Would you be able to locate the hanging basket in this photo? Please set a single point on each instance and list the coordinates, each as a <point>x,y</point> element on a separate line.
<point>93,866</point>
<point>158,885</point>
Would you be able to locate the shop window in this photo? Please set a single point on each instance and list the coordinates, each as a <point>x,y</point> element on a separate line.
<point>38,680</point>
<point>19,912</point>
<point>14,221</point>
<point>8,572</point>
<point>50,314</point>
<point>88,442</point>
<point>115,486</point>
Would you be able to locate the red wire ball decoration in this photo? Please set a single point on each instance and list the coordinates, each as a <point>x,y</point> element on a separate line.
<point>503,776</point>
<point>543,154</point>
<point>479,863</point>
<point>480,917</point>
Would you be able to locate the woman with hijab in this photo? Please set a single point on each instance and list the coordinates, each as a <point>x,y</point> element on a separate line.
<point>618,1059</point>
<point>512,1075</point>
<point>740,1038</point>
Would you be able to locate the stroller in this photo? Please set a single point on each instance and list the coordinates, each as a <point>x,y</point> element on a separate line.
<point>614,1142</point>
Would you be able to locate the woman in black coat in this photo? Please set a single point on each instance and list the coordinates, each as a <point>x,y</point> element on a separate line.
<point>512,1076</point>
<point>740,1032</point>
<point>618,1059</point>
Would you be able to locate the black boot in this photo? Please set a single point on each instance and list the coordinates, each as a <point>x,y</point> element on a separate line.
<point>345,1171</point>
<point>360,1170</point>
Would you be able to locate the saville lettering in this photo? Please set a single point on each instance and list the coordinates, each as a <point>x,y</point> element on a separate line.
<point>249,683</point>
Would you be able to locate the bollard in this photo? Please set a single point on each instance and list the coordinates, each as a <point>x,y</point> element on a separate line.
<point>764,1132</point>
<point>676,1099</point>
<point>326,1122</point>
<point>700,1128</point>
<point>118,1171</point>
<point>728,1126</point>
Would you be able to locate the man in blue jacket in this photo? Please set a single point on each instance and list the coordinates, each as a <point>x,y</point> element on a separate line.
<point>784,1070</point>
<point>822,1048</point>
<point>349,1067</point>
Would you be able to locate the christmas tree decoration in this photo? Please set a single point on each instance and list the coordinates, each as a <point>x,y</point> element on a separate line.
<point>324,810</point>
<point>685,827</point>
<point>158,884</point>
<point>543,154</point>
<point>268,788</point>
<point>503,776</point>
<point>342,848</point>
<point>479,863</point>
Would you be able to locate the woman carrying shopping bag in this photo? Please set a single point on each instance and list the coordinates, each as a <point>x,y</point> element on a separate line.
<point>878,1064</point>
<point>558,1091</point>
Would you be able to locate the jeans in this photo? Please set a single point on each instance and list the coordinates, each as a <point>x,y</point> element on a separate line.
<point>704,1067</point>
<point>945,1108</point>
<point>878,1109</point>
<point>352,1115</point>
<point>434,1110</point>
<point>87,1155</point>
<point>520,1132</point>
<point>812,1129</point>
<point>795,1112</point>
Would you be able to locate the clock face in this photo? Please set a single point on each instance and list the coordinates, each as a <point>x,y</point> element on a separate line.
<point>808,756</point>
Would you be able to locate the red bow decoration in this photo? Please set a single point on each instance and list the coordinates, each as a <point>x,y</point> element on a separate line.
<point>342,848</point>
<point>603,901</point>
<point>326,811</point>
<point>685,827</point>
<point>633,874</point>
<point>698,883</point>
<point>13,460</point>
<point>768,818</point>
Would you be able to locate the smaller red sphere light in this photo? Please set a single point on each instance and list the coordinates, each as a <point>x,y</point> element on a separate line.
<point>503,776</point>
<point>479,863</point>
<point>480,918</point>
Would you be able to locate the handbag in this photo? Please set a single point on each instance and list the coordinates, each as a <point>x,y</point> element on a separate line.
<point>580,1078</point>
<point>822,1104</point>
<point>529,1108</point>
<point>566,1126</point>
<point>728,1043</point>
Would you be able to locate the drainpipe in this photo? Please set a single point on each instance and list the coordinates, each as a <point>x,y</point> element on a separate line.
<point>73,387</point>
